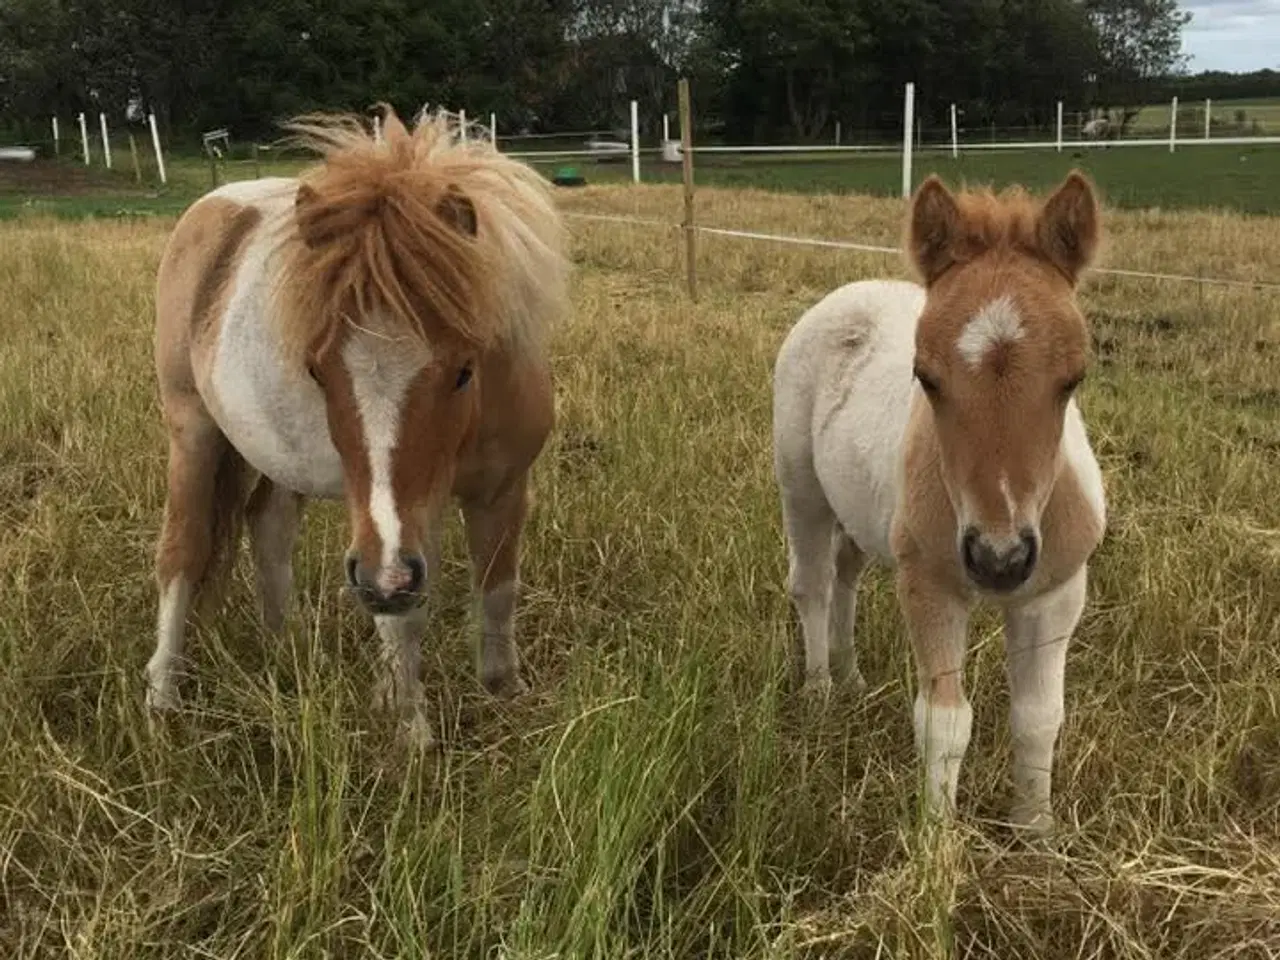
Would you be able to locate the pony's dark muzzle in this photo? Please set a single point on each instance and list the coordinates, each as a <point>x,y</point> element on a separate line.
<point>995,566</point>
<point>397,589</point>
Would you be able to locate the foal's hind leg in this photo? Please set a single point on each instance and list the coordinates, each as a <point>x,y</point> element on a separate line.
<point>811,528</point>
<point>199,523</point>
<point>850,562</point>
<point>273,515</point>
<point>493,534</point>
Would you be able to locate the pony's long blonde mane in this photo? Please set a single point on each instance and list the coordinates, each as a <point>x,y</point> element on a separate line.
<point>380,234</point>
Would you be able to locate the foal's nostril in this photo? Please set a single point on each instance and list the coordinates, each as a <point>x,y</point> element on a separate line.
<point>353,569</point>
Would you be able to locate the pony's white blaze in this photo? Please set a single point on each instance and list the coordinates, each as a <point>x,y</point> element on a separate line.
<point>381,370</point>
<point>996,323</point>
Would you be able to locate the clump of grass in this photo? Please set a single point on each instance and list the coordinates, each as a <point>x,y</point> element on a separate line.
<point>660,792</point>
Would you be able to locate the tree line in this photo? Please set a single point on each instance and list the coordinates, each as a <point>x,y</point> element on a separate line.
<point>761,69</point>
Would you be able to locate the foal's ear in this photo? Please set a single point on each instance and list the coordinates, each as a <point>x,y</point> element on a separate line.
<point>933,229</point>
<point>458,211</point>
<point>1068,228</point>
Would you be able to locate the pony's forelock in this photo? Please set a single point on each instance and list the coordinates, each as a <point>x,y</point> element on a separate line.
<point>427,232</point>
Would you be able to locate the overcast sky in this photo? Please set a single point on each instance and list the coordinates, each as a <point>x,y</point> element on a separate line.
<point>1236,35</point>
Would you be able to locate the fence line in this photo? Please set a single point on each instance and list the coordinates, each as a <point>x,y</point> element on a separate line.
<point>876,248</point>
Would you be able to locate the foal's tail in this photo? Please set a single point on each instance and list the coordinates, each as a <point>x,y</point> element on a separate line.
<point>226,524</point>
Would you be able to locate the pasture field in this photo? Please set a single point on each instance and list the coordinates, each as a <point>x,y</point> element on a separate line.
<point>662,791</point>
<point>1231,178</point>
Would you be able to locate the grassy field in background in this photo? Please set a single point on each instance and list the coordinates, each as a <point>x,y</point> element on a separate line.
<point>661,791</point>
<point>1232,178</point>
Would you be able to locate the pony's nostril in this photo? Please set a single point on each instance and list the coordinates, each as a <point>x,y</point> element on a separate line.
<point>969,549</point>
<point>417,568</point>
<point>353,569</point>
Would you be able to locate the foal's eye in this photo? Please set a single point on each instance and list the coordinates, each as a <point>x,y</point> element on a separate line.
<point>927,383</point>
<point>1070,386</point>
<point>464,377</point>
<point>311,372</point>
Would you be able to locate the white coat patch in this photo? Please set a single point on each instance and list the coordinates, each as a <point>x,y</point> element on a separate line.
<point>998,322</point>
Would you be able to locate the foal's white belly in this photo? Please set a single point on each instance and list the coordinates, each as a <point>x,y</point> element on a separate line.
<point>273,416</point>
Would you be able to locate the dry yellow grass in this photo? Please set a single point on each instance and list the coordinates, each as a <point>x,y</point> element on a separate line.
<point>661,792</point>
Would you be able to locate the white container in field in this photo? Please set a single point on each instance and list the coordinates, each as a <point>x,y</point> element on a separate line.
<point>671,151</point>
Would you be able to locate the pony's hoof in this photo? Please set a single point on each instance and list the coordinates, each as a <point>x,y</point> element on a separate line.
<point>505,685</point>
<point>817,688</point>
<point>418,734</point>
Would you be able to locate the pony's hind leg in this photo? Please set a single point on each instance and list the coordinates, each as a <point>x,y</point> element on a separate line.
<point>493,533</point>
<point>811,530</point>
<point>850,562</point>
<point>273,514</point>
<point>1036,639</point>
<point>202,507</point>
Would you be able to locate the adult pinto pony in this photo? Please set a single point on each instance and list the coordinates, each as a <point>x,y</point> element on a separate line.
<point>371,331</point>
<point>935,429</point>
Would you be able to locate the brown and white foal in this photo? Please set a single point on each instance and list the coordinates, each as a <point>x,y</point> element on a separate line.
<point>935,428</point>
<point>371,332</point>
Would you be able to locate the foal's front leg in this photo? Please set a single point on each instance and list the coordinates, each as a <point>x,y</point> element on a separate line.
<point>494,532</point>
<point>938,622</point>
<point>1036,639</point>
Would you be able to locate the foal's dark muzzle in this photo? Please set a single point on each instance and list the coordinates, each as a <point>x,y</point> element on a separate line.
<point>1000,567</point>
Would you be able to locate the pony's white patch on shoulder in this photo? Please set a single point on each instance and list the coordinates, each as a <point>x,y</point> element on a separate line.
<point>381,369</point>
<point>998,322</point>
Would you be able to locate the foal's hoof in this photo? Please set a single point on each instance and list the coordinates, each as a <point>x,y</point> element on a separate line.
<point>1034,821</point>
<point>162,698</point>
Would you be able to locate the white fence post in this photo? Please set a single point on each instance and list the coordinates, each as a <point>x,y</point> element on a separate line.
<point>1207,104</point>
<point>462,124</point>
<point>1173,124</point>
<point>666,127</point>
<point>57,142</point>
<point>1059,126</point>
<point>84,138</point>
<point>377,129</point>
<point>106,141</point>
<point>635,141</point>
<point>493,129</point>
<point>955,135</point>
<point>908,123</point>
<point>837,133</point>
<point>155,142</point>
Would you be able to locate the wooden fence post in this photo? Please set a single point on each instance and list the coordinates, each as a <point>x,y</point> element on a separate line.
<point>686,155</point>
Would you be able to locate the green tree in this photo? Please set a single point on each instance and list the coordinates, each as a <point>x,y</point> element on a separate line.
<point>1139,42</point>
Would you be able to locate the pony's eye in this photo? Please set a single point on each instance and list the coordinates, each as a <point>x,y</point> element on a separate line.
<point>311,372</point>
<point>464,377</point>
<point>927,383</point>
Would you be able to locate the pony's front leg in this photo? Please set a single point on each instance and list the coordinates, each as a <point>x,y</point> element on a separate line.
<point>273,514</point>
<point>938,620</point>
<point>399,688</point>
<point>493,533</point>
<point>1036,638</point>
